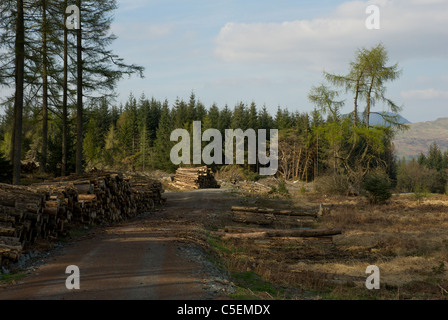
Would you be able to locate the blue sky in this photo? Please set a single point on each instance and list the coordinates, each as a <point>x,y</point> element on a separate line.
<point>273,52</point>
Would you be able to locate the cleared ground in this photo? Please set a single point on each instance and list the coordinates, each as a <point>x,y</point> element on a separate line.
<point>407,238</point>
<point>155,256</point>
<point>145,258</point>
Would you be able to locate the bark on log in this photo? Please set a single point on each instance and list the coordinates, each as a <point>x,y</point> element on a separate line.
<point>274,211</point>
<point>245,233</point>
<point>272,220</point>
<point>194,178</point>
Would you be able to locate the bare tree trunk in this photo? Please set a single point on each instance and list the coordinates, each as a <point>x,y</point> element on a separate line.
<point>13,135</point>
<point>358,88</point>
<point>305,169</point>
<point>43,164</point>
<point>64,102</point>
<point>79,109</point>
<point>297,170</point>
<point>316,172</point>
<point>293,162</point>
<point>369,104</point>
<point>18,103</point>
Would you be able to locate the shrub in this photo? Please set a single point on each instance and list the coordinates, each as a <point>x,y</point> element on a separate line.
<point>377,187</point>
<point>231,173</point>
<point>413,177</point>
<point>252,176</point>
<point>235,173</point>
<point>282,188</point>
<point>420,193</point>
<point>334,184</point>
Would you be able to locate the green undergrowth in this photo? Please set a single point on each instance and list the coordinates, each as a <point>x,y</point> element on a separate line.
<point>12,277</point>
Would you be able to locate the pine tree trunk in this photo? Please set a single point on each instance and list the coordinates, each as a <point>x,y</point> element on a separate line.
<point>19,81</point>
<point>43,164</point>
<point>13,134</point>
<point>79,117</point>
<point>64,102</point>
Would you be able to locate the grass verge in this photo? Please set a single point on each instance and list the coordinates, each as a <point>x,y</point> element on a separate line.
<point>11,278</point>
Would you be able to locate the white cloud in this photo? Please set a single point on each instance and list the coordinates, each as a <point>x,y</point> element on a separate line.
<point>408,29</point>
<point>425,94</point>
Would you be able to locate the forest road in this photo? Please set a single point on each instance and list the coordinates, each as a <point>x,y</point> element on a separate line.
<point>143,258</point>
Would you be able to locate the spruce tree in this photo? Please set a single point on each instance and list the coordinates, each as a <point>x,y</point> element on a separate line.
<point>162,144</point>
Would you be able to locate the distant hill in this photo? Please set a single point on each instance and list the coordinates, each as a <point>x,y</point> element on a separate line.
<point>376,119</point>
<point>420,136</point>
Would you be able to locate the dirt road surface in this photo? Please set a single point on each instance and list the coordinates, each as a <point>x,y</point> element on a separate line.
<point>154,256</point>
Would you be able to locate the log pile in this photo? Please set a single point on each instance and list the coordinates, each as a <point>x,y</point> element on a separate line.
<point>277,223</point>
<point>194,178</point>
<point>21,216</point>
<point>273,217</point>
<point>50,209</point>
<point>147,194</point>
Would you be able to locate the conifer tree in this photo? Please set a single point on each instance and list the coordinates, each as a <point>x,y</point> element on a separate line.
<point>162,144</point>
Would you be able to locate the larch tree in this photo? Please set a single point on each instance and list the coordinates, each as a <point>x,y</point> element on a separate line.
<point>366,80</point>
<point>377,74</point>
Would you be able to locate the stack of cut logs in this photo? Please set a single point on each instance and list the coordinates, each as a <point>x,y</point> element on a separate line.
<point>275,223</point>
<point>147,194</point>
<point>48,210</point>
<point>194,178</point>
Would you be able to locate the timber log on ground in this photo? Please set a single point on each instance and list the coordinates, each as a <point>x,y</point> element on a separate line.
<point>277,223</point>
<point>50,209</point>
<point>257,233</point>
<point>274,217</point>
